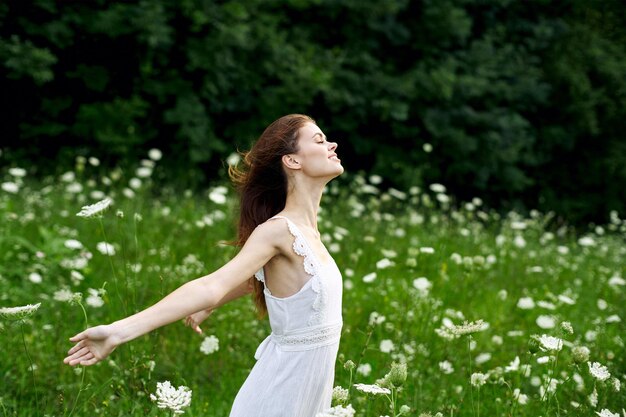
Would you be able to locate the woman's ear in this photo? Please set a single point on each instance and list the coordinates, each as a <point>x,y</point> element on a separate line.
<point>290,162</point>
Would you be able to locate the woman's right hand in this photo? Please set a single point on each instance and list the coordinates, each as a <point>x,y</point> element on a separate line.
<point>194,320</point>
<point>92,346</point>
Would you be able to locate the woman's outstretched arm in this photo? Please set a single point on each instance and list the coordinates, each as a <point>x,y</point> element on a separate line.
<point>96,343</point>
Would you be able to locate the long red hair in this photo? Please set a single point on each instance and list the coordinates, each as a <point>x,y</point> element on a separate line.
<point>262,182</point>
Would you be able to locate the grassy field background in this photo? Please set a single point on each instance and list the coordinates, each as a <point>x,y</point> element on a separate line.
<point>415,264</point>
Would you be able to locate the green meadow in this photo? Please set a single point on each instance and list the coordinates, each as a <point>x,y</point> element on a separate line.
<point>493,314</point>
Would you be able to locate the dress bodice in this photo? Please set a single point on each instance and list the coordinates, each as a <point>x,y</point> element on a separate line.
<point>313,314</point>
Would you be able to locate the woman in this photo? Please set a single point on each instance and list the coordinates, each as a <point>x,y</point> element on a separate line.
<point>295,279</point>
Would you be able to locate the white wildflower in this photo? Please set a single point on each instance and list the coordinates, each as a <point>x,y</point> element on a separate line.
<point>566,327</point>
<point>580,354</point>
<point>482,358</point>
<point>155,154</point>
<point>218,195</point>
<point>376,318</point>
<point>478,379</point>
<point>376,179</point>
<point>519,241</point>
<point>598,371</point>
<point>105,248</point>
<point>76,277</point>
<point>337,411</point>
<point>437,188</point>
<point>614,318</point>
<point>384,263</point>
<point>372,389</point>
<point>209,345</point>
<point>607,413</point>
<point>134,183</point>
<point>550,343</point>
<point>340,394</point>
<point>386,346</point>
<point>546,322</point>
<point>521,398</point>
<point>369,277</point>
<point>543,359</point>
<point>427,249</point>
<point>469,327</point>
<point>422,284</point>
<point>35,277</point>
<point>565,299</point>
<point>546,304</point>
<point>400,195</point>
<point>526,303</point>
<point>364,369</point>
<point>173,399</point>
<point>69,176</point>
<point>63,295</point>
<point>19,313</point>
<point>73,244</point>
<point>17,172</point>
<point>586,241</point>
<point>593,398</point>
<point>517,225</point>
<point>94,299</point>
<point>96,209</point>
<point>446,367</point>
<point>563,250</point>
<point>10,187</point>
<point>233,159</point>
<point>513,366</point>
<point>74,188</point>
<point>143,172</point>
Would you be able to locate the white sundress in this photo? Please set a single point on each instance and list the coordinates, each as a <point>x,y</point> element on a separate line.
<point>295,368</point>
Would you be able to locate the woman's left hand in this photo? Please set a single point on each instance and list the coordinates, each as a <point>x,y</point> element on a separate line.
<point>194,320</point>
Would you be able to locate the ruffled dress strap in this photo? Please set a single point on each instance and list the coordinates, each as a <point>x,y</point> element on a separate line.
<point>311,265</point>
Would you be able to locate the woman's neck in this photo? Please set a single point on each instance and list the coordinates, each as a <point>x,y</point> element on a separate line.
<point>303,203</point>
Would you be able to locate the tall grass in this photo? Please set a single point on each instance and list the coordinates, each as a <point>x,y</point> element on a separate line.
<point>429,264</point>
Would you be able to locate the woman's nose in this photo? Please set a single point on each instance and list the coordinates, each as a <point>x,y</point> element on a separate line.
<point>333,146</point>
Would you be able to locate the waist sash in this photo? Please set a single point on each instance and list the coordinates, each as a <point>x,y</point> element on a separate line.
<point>302,339</point>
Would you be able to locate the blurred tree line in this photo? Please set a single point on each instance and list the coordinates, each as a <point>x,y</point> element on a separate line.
<point>523,102</point>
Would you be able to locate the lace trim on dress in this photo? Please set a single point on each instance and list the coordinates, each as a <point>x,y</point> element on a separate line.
<point>311,267</point>
<point>260,275</point>
<point>310,338</point>
<point>302,339</point>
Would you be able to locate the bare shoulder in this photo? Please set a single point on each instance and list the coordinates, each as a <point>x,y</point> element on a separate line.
<point>274,232</point>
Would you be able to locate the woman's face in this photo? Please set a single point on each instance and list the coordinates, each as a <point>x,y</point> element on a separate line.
<point>317,157</point>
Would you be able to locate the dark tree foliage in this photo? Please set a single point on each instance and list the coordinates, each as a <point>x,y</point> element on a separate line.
<point>524,102</point>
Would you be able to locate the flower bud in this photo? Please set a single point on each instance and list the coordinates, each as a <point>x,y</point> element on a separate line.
<point>566,328</point>
<point>398,374</point>
<point>580,354</point>
<point>533,344</point>
<point>349,365</point>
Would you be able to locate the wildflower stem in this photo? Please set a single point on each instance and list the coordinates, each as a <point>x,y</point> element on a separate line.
<point>358,362</point>
<point>136,262</point>
<point>32,368</point>
<point>83,369</point>
<point>117,289</point>
<point>469,354</point>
